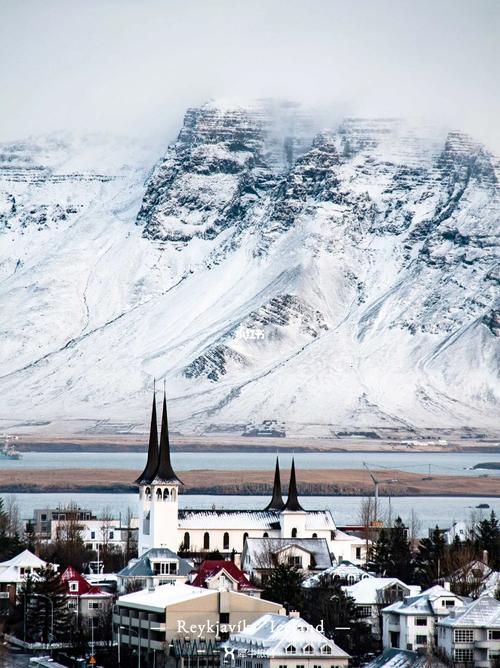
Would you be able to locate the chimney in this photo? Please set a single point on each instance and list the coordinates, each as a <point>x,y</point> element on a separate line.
<point>485,557</point>
<point>294,614</point>
<point>446,585</point>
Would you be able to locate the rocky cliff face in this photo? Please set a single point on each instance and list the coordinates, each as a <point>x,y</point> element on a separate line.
<point>279,267</point>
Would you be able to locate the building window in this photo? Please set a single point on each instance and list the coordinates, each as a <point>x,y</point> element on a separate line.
<point>308,649</point>
<point>186,543</point>
<point>294,532</point>
<point>295,562</point>
<point>245,536</point>
<point>72,604</point>
<point>94,605</point>
<point>290,649</point>
<point>92,535</point>
<point>365,610</point>
<point>206,541</point>
<point>493,634</point>
<point>225,541</point>
<point>300,666</point>
<point>421,640</point>
<point>73,586</point>
<point>166,494</point>
<point>147,492</point>
<point>326,649</point>
<point>158,495</point>
<point>448,603</point>
<point>421,621</point>
<point>464,635</point>
<point>265,535</point>
<point>463,655</point>
<point>358,553</point>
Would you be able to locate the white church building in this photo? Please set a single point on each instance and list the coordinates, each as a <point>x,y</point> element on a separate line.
<point>162,524</point>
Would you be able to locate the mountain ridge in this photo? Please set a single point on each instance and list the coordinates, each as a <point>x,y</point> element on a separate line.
<point>267,265</point>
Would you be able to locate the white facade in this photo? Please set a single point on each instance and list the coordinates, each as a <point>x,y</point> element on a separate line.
<point>372,594</point>
<point>97,532</point>
<point>410,623</point>
<point>471,635</point>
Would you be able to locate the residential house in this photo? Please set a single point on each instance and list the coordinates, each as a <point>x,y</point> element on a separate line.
<point>222,574</point>
<point>410,623</point>
<point>372,594</point>
<point>470,635</point>
<point>14,572</point>
<point>345,572</point>
<point>89,603</point>
<point>275,641</point>
<point>155,567</point>
<point>261,555</point>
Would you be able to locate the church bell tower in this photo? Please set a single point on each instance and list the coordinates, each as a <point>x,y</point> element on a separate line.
<point>158,491</point>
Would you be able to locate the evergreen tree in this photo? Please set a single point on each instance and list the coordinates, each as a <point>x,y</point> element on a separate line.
<point>380,561</point>
<point>429,560</point>
<point>487,534</point>
<point>391,554</point>
<point>43,599</point>
<point>284,585</point>
<point>329,606</point>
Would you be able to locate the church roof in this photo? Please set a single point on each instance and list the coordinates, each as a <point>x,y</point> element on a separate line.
<point>229,519</point>
<point>276,502</point>
<point>152,462</point>
<point>292,502</point>
<point>164,473</point>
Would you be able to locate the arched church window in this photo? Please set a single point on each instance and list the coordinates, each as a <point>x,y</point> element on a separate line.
<point>265,535</point>
<point>158,494</point>
<point>294,532</point>
<point>315,535</point>
<point>187,541</point>
<point>206,541</point>
<point>147,492</point>
<point>245,536</point>
<point>225,541</point>
<point>172,495</point>
<point>166,494</point>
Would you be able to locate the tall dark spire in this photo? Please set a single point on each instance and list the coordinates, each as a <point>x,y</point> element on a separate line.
<point>164,472</point>
<point>292,503</point>
<point>152,463</point>
<point>277,502</point>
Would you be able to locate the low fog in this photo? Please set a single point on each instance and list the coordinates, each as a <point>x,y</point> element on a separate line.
<point>133,66</point>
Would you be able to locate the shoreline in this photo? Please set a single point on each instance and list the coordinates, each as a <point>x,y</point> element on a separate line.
<point>311,482</point>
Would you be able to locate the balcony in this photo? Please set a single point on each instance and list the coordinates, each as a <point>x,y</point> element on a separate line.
<point>483,644</point>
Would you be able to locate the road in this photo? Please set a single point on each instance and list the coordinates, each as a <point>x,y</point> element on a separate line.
<point>9,659</point>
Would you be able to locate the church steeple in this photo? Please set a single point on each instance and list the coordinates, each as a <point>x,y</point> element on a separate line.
<point>152,463</point>
<point>164,473</point>
<point>292,502</point>
<point>276,502</point>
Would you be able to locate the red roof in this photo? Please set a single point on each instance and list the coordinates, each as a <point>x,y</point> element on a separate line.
<point>83,588</point>
<point>211,567</point>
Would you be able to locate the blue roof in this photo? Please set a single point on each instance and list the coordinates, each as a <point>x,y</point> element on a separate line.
<point>142,568</point>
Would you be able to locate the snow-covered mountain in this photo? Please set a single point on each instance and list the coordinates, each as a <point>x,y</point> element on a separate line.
<point>268,265</point>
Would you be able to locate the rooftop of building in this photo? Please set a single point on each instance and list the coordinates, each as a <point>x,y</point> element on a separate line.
<point>484,612</point>
<point>275,635</point>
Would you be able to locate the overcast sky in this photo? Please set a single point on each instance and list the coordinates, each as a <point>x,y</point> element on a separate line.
<point>134,65</point>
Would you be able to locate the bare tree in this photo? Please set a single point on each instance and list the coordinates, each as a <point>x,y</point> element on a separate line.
<point>367,519</point>
<point>414,529</point>
<point>13,520</point>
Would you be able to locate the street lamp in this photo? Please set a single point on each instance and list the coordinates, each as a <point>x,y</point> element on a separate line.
<point>120,627</point>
